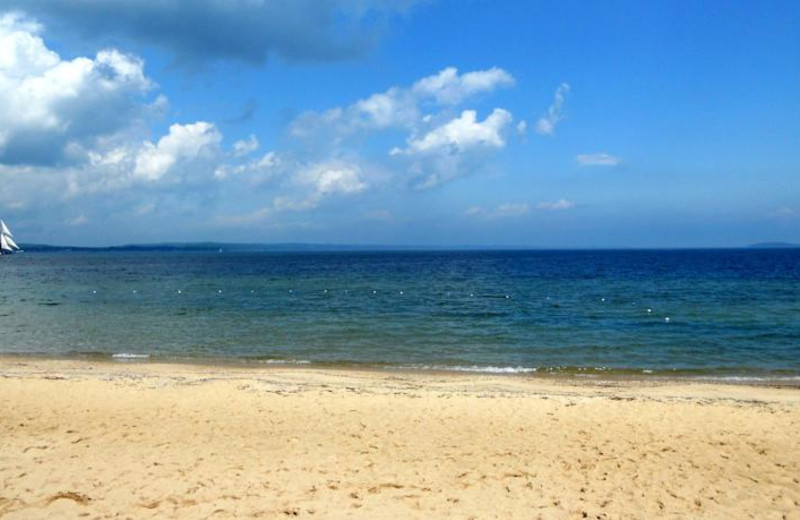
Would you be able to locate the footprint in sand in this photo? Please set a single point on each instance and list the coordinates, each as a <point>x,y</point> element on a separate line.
<point>79,498</point>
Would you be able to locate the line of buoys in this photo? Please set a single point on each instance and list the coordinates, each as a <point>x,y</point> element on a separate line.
<point>667,319</point>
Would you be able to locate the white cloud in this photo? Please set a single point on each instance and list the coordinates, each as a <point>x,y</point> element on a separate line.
<point>546,124</point>
<point>598,159</point>
<point>184,142</point>
<point>243,147</point>
<point>54,110</point>
<point>440,146</point>
<point>186,155</point>
<point>319,181</point>
<point>392,108</point>
<point>257,171</point>
<point>453,149</point>
<point>449,88</point>
<point>559,205</point>
<point>462,134</point>
<point>399,107</point>
<point>502,211</point>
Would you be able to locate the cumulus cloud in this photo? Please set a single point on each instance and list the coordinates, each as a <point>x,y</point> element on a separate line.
<point>54,110</point>
<point>256,171</point>
<point>319,181</point>
<point>546,124</point>
<point>74,130</point>
<point>449,88</point>
<point>502,211</point>
<point>451,149</point>
<point>243,30</point>
<point>462,134</point>
<point>244,147</point>
<point>598,159</point>
<point>559,205</point>
<point>186,154</point>
<point>184,142</point>
<point>400,106</point>
<point>440,146</point>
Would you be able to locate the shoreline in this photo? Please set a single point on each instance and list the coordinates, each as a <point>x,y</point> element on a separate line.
<point>578,375</point>
<point>149,440</point>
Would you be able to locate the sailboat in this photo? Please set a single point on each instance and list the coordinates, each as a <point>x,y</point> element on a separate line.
<point>7,244</point>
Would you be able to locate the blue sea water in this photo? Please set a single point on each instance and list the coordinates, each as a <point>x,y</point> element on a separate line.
<point>731,313</point>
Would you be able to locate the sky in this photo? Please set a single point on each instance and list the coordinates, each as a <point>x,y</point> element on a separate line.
<point>560,124</point>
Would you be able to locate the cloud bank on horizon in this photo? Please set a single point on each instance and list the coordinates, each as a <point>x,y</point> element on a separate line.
<point>96,143</point>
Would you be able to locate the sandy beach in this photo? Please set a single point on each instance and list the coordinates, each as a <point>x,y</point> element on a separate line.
<point>87,439</point>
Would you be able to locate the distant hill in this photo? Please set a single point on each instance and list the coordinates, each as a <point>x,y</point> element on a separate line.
<point>775,245</point>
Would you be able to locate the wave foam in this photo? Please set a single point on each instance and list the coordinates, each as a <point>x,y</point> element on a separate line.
<point>127,355</point>
<point>284,361</point>
<point>475,368</point>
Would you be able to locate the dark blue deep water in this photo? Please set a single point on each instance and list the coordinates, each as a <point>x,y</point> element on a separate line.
<point>724,313</point>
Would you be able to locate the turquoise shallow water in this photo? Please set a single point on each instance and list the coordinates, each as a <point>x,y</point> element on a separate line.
<point>730,313</point>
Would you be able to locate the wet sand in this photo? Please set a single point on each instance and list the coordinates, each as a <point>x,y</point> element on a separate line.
<point>83,439</point>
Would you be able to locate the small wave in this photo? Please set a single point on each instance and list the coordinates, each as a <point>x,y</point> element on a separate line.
<point>127,355</point>
<point>475,368</point>
<point>282,361</point>
<point>751,379</point>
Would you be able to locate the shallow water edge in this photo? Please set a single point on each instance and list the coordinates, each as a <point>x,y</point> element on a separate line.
<point>572,375</point>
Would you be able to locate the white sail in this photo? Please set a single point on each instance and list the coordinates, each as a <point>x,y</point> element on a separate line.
<point>7,244</point>
<point>10,242</point>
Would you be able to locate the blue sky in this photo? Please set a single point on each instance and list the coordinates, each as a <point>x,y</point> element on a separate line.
<point>427,122</point>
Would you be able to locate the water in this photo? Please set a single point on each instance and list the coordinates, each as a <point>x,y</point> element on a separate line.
<point>731,313</point>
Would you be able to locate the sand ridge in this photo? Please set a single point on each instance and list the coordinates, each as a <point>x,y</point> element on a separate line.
<point>117,440</point>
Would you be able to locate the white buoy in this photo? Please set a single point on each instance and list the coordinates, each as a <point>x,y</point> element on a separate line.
<point>649,311</point>
<point>401,293</point>
<point>666,320</point>
<point>219,291</point>
<point>325,291</point>
<point>134,291</point>
<point>602,299</point>
<point>94,292</point>
<point>507,297</point>
<point>374,292</point>
<point>471,295</point>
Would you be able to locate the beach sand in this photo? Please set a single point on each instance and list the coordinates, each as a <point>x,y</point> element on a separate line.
<point>83,439</point>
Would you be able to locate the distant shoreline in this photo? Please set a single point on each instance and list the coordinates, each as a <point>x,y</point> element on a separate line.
<point>211,247</point>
